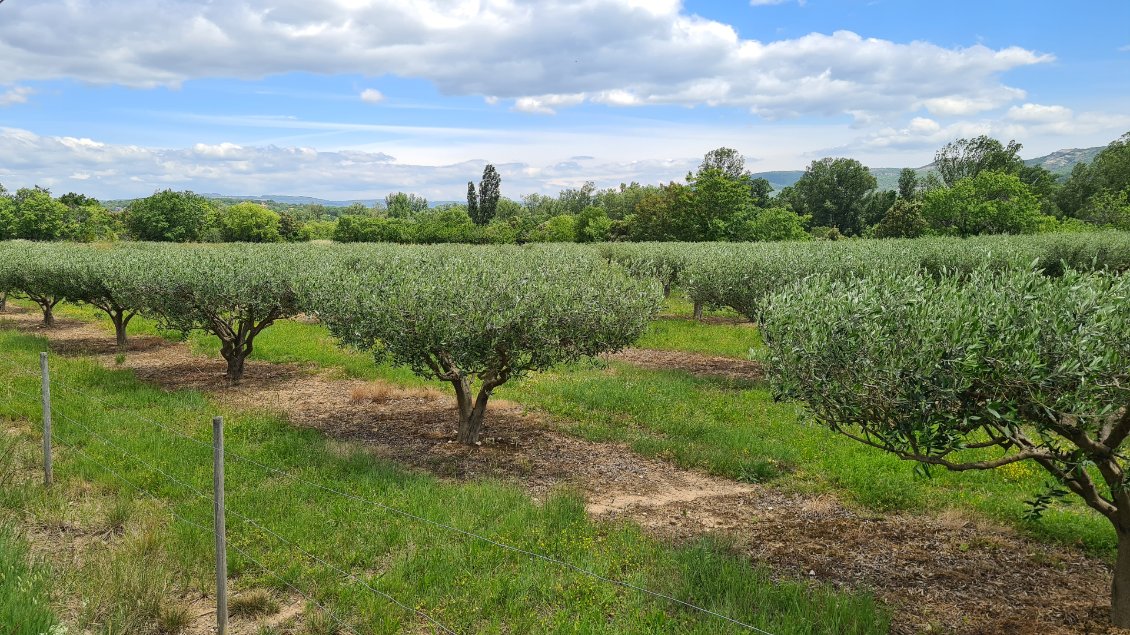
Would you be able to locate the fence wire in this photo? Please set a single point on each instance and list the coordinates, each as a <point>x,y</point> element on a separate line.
<point>384,507</point>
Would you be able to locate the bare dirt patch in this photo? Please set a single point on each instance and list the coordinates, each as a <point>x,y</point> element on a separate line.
<point>693,363</point>
<point>941,573</point>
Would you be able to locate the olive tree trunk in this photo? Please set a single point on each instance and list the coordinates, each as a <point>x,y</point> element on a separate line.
<point>47,305</point>
<point>3,301</point>
<point>698,310</point>
<point>1120,586</point>
<point>472,410</point>
<point>472,407</point>
<point>121,319</point>
<point>237,340</point>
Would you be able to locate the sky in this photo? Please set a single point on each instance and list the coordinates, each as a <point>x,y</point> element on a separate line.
<point>354,99</point>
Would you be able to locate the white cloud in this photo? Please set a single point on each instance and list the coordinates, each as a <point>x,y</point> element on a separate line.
<point>545,104</point>
<point>372,96</point>
<point>1039,113</point>
<point>14,95</point>
<point>112,171</point>
<point>543,55</point>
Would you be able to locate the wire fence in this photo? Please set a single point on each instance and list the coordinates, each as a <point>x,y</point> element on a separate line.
<point>52,410</point>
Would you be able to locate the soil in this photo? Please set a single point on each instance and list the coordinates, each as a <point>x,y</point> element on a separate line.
<point>940,573</point>
<point>693,363</point>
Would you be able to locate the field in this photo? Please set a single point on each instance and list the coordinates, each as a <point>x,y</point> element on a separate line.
<point>668,466</point>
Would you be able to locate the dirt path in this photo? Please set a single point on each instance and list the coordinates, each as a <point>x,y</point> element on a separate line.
<point>693,363</point>
<point>945,573</point>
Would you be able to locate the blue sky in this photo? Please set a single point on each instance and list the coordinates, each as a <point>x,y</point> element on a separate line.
<point>358,98</point>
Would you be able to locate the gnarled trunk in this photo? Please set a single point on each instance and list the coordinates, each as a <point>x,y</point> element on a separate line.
<point>472,410</point>
<point>666,289</point>
<point>48,313</point>
<point>121,322</point>
<point>698,310</point>
<point>235,367</point>
<point>3,301</point>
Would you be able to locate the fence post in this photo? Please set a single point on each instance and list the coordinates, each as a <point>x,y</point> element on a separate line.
<point>221,532</point>
<point>45,376</point>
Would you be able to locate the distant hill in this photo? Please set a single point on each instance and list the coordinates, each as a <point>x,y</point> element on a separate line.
<point>1059,163</point>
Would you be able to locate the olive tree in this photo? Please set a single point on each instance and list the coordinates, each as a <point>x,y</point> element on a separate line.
<point>233,292</point>
<point>478,317</point>
<point>35,272</point>
<point>973,373</point>
<point>106,278</point>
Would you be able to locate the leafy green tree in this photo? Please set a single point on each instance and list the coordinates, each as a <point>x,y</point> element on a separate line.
<point>318,230</point>
<point>574,200</point>
<point>38,216</point>
<point>249,223</point>
<point>875,205</point>
<point>973,374</point>
<point>446,225</point>
<point>728,161</point>
<point>772,224</point>
<point>832,191</point>
<point>401,205</point>
<point>659,213</point>
<point>759,192</point>
<point>903,220</point>
<point>472,201</point>
<point>1110,171</point>
<point>290,228</point>
<point>9,226</point>
<point>477,318</point>
<point>168,216</point>
<point>559,229</point>
<point>966,158</point>
<point>90,222</point>
<point>1108,209</point>
<point>908,184</point>
<point>988,203</point>
<point>490,190</point>
<point>593,225</point>
<point>719,201</point>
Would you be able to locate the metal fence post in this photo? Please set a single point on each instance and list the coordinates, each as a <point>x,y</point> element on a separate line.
<point>45,376</point>
<point>221,532</point>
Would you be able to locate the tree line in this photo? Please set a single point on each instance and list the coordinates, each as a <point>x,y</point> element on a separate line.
<point>975,186</point>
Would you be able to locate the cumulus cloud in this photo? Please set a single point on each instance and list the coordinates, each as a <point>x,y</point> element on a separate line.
<point>1039,113</point>
<point>1048,126</point>
<point>113,171</point>
<point>14,95</point>
<point>372,96</point>
<point>543,55</point>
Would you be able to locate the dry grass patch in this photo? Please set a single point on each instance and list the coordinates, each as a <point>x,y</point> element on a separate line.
<point>253,603</point>
<point>382,393</point>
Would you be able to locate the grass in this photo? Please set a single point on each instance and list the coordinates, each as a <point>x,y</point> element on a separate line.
<point>726,428</point>
<point>740,341</point>
<point>24,588</point>
<point>469,585</point>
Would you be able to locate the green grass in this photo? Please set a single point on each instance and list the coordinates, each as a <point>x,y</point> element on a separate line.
<point>469,585</point>
<point>24,589</point>
<point>730,429</point>
<point>724,340</point>
<point>679,305</point>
